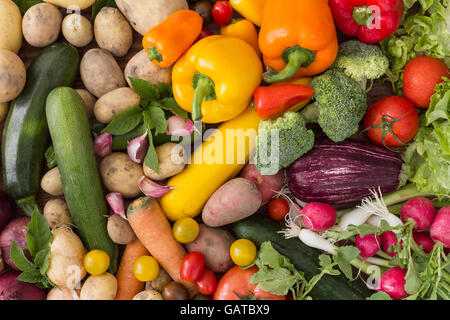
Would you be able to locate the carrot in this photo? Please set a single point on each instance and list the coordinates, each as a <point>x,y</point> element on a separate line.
<point>127,284</point>
<point>152,228</point>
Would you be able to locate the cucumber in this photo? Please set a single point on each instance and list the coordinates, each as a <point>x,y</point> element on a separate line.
<point>25,136</point>
<point>306,259</point>
<point>74,151</point>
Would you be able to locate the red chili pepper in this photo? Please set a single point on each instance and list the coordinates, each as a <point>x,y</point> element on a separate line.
<point>274,100</point>
<point>369,20</point>
<point>222,13</point>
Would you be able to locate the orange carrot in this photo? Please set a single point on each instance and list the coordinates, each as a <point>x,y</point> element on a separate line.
<point>152,228</point>
<point>127,284</point>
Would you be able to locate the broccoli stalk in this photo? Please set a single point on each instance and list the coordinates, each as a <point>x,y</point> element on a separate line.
<point>361,61</point>
<point>281,141</point>
<point>339,107</point>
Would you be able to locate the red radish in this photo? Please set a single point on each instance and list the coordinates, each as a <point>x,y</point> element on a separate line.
<point>15,231</point>
<point>388,239</point>
<point>368,245</point>
<point>423,239</point>
<point>6,210</point>
<point>420,210</point>
<point>440,228</point>
<point>319,216</point>
<point>12,289</point>
<point>267,185</point>
<point>393,283</point>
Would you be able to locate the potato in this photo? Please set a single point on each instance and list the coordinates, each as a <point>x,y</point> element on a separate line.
<point>77,30</point>
<point>102,287</point>
<point>4,108</point>
<point>114,102</point>
<point>113,32</point>
<point>10,26</point>
<point>145,14</point>
<point>72,4</point>
<point>41,24</point>
<point>120,174</point>
<point>63,294</point>
<point>171,161</point>
<point>148,295</point>
<point>51,182</point>
<point>13,75</point>
<point>160,282</point>
<point>57,213</point>
<point>88,100</point>
<point>140,67</point>
<point>66,268</point>
<point>233,201</point>
<point>119,230</point>
<point>214,244</point>
<point>100,72</point>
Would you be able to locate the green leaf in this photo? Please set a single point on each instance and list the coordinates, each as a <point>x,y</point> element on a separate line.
<point>343,256</point>
<point>20,260</point>
<point>124,121</point>
<point>158,119</point>
<point>145,90</point>
<point>380,295</point>
<point>171,105</point>
<point>31,277</point>
<point>42,260</point>
<point>50,157</point>
<point>164,90</point>
<point>99,4</point>
<point>24,5</point>
<point>413,282</point>
<point>151,158</point>
<point>38,235</point>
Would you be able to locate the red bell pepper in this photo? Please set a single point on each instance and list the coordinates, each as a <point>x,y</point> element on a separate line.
<point>274,100</point>
<point>369,20</point>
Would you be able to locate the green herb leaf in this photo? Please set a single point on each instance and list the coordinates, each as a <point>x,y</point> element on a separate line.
<point>343,256</point>
<point>42,260</point>
<point>145,90</point>
<point>99,4</point>
<point>159,119</point>
<point>151,158</point>
<point>380,295</point>
<point>164,90</point>
<point>171,105</point>
<point>124,121</point>
<point>20,260</point>
<point>38,235</point>
<point>24,5</point>
<point>30,277</point>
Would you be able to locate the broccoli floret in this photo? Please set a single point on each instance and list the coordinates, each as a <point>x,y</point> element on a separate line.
<point>339,107</point>
<point>361,61</point>
<point>281,141</point>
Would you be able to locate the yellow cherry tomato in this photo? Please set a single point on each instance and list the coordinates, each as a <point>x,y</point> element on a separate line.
<point>96,262</point>
<point>185,230</point>
<point>243,252</point>
<point>146,268</point>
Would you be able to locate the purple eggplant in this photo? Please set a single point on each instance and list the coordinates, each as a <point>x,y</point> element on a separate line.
<point>344,172</point>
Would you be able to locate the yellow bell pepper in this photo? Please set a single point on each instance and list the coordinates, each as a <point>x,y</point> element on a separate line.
<point>250,9</point>
<point>216,78</point>
<point>219,159</point>
<point>242,29</point>
<point>304,81</point>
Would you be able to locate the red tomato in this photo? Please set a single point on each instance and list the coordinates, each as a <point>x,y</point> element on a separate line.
<point>207,283</point>
<point>391,119</point>
<point>222,13</point>
<point>420,77</point>
<point>236,281</point>
<point>192,266</point>
<point>278,208</point>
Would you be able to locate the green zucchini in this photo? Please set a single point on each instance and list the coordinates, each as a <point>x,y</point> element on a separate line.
<point>74,151</point>
<point>306,259</point>
<point>25,136</point>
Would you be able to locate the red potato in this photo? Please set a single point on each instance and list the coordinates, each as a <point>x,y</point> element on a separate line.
<point>12,289</point>
<point>214,244</point>
<point>15,231</point>
<point>233,201</point>
<point>420,77</point>
<point>267,185</point>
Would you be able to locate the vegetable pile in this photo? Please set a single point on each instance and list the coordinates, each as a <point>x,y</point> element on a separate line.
<point>225,150</point>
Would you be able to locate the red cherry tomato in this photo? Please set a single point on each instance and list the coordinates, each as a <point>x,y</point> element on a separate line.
<point>222,13</point>
<point>192,266</point>
<point>207,283</point>
<point>278,208</point>
<point>391,121</point>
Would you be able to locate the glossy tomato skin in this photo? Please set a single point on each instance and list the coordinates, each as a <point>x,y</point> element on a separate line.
<point>192,266</point>
<point>278,208</point>
<point>206,284</point>
<point>394,107</point>
<point>222,13</point>
<point>237,280</point>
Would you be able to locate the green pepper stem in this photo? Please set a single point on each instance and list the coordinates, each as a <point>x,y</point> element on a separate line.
<point>295,57</point>
<point>154,54</point>
<point>362,15</point>
<point>27,205</point>
<point>204,90</point>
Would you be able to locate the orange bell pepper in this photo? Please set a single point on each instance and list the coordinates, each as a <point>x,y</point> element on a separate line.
<point>169,40</point>
<point>242,29</point>
<point>297,38</point>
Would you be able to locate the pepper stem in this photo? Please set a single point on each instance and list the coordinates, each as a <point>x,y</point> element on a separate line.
<point>296,58</point>
<point>28,205</point>
<point>154,54</point>
<point>204,90</point>
<point>362,15</point>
